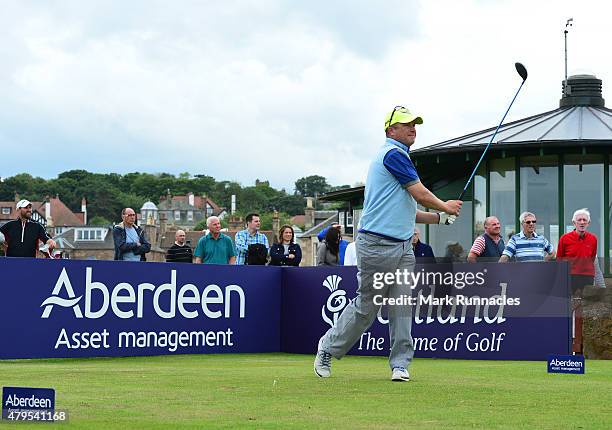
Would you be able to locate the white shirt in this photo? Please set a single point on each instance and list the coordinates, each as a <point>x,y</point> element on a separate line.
<point>350,255</point>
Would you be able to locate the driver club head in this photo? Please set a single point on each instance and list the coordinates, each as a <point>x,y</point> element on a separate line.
<point>522,71</point>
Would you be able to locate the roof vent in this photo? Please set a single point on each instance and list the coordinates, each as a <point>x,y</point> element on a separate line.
<point>582,90</point>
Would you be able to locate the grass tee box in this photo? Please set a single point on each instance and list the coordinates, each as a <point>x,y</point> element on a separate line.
<point>280,391</point>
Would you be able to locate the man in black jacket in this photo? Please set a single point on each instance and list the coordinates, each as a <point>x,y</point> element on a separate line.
<point>180,252</point>
<point>130,241</point>
<point>22,234</point>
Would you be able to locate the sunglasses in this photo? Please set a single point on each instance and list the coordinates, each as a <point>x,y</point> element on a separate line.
<point>530,222</point>
<point>395,109</point>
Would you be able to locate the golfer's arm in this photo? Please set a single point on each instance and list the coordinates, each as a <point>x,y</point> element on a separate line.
<point>426,198</point>
<point>427,217</point>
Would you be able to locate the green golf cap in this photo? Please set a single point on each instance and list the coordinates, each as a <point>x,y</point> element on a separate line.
<point>402,115</point>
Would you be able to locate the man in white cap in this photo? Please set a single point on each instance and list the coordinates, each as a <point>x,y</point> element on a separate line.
<point>23,234</point>
<point>392,191</point>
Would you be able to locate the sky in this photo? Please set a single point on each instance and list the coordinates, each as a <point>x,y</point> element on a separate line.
<point>271,89</point>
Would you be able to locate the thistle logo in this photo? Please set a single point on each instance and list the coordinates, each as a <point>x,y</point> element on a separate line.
<point>55,299</point>
<point>336,301</point>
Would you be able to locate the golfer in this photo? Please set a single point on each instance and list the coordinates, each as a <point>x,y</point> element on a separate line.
<point>392,192</point>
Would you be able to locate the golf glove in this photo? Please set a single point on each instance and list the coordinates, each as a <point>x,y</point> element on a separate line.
<point>446,218</point>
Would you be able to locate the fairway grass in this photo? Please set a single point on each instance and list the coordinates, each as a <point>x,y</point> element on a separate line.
<point>281,391</point>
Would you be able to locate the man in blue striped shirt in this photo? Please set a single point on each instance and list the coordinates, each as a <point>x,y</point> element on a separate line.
<point>248,237</point>
<point>527,245</point>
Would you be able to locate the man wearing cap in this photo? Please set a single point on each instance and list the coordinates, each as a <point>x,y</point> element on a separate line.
<point>384,246</point>
<point>22,234</point>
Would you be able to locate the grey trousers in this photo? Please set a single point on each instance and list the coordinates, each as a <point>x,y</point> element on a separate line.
<point>376,255</point>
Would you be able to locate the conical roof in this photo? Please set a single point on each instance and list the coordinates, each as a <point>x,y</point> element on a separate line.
<point>581,118</point>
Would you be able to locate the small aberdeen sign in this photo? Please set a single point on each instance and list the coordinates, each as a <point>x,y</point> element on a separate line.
<point>565,363</point>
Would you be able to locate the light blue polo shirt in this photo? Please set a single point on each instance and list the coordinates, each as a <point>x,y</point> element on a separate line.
<point>525,248</point>
<point>388,209</point>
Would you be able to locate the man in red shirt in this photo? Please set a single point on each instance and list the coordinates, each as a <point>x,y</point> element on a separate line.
<point>579,247</point>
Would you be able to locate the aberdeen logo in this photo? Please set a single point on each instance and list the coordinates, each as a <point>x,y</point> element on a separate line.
<point>336,301</point>
<point>71,302</point>
<point>125,300</point>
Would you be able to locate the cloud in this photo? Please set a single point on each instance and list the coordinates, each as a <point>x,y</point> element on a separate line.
<point>272,90</point>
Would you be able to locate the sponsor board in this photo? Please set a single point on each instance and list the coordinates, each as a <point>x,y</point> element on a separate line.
<point>557,363</point>
<point>70,308</point>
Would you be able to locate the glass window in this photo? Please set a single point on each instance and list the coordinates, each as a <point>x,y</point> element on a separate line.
<point>177,215</point>
<point>583,182</point>
<point>540,194</point>
<point>609,215</point>
<point>79,234</point>
<point>502,194</point>
<point>356,217</point>
<point>444,239</point>
<point>480,200</point>
<point>189,215</point>
<point>349,219</point>
<point>6,211</point>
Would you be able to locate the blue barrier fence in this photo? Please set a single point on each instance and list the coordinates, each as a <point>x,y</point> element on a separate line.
<point>71,308</point>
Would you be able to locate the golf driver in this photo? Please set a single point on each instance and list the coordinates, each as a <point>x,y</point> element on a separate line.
<point>522,71</point>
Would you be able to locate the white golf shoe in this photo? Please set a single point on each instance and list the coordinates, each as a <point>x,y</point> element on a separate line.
<point>400,374</point>
<point>322,363</point>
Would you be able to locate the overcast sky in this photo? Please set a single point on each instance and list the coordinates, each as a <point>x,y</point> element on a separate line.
<point>272,89</point>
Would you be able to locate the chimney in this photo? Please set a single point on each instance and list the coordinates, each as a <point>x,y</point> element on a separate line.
<point>276,223</point>
<point>84,210</point>
<point>47,209</point>
<point>17,197</point>
<point>582,90</point>
<point>152,233</point>
<point>233,204</point>
<point>235,223</point>
<point>162,224</point>
<point>310,213</point>
<point>191,198</point>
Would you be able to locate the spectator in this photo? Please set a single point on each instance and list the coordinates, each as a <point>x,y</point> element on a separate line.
<point>130,241</point>
<point>422,251</point>
<point>454,252</point>
<point>350,256</point>
<point>343,243</point>
<point>490,245</point>
<point>180,252</point>
<point>328,253</point>
<point>215,247</point>
<point>245,239</point>
<point>527,245</point>
<point>22,235</point>
<point>579,247</point>
<point>286,252</point>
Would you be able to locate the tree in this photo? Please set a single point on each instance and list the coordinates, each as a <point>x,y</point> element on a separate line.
<point>99,220</point>
<point>310,186</point>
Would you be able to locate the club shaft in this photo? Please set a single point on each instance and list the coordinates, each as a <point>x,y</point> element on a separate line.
<point>489,144</point>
